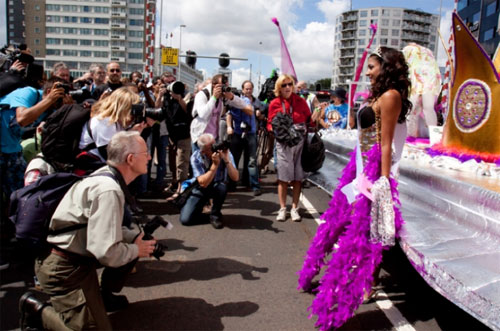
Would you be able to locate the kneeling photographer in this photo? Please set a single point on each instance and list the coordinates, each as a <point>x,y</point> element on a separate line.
<point>87,233</point>
<point>211,164</point>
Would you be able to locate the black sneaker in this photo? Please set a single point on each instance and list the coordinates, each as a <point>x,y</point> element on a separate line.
<point>216,221</point>
<point>31,312</point>
<point>113,302</point>
<point>257,192</point>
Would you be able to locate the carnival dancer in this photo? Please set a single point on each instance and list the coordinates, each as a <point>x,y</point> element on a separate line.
<point>363,218</point>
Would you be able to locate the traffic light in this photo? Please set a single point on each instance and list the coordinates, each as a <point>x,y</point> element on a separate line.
<point>224,60</point>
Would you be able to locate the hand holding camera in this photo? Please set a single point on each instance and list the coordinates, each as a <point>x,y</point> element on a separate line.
<point>146,247</point>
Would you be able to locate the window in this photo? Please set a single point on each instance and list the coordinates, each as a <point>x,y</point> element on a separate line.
<point>475,17</point>
<point>363,13</point>
<point>85,20</point>
<point>384,32</point>
<point>394,42</point>
<point>136,56</point>
<point>433,38</point>
<point>139,34</point>
<point>86,53</point>
<point>491,8</point>
<point>101,54</point>
<point>53,52</point>
<point>362,32</point>
<point>374,12</point>
<point>386,12</point>
<point>85,42</point>
<point>70,19</point>
<point>488,34</point>
<point>136,1</point>
<point>362,22</point>
<point>37,7</point>
<point>135,44</point>
<point>383,41</point>
<point>99,20</point>
<point>85,9</point>
<point>53,41</point>
<point>462,4</point>
<point>396,13</point>
<point>396,23</point>
<point>101,32</point>
<point>51,29</point>
<point>70,52</point>
<point>86,31</point>
<point>395,33</point>
<point>70,42</point>
<point>373,21</point>
<point>136,22</point>
<point>37,41</point>
<point>101,43</point>
<point>385,22</point>
<point>361,42</point>
<point>37,30</point>
<point>37,18</point>
<point>53,7</point>
<point>70,30</point>
<point>37,52</point>
<point>136,11</point>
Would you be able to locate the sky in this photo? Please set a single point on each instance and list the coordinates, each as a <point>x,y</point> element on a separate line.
<point>243,29</point>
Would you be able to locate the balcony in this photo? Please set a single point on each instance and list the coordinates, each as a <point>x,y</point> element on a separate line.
<point>347,36</point>
<point>119,14</point>
<point>117,3</point>
<point>119,26</point>
<point>117,59</point>
<point>118,48</point>
<point>349,18</point>
<point>118,37</point>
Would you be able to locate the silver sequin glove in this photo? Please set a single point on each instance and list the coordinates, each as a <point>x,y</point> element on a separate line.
<point>382,226</point>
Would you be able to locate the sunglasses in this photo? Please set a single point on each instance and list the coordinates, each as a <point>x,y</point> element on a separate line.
<point>287,84</point>
<point>114,70</point>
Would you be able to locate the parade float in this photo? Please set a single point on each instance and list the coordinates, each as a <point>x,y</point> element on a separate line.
<point>450,190</point>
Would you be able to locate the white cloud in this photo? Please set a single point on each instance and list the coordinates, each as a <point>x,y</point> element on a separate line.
<point>445,29</point>
<point>237,27</point>
<point>332,8</point>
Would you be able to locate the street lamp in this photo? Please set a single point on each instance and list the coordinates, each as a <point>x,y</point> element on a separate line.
<point>180,47</point>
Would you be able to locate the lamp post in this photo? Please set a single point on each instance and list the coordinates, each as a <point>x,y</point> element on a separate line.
<point>260,68</point>
<point>180,47</point>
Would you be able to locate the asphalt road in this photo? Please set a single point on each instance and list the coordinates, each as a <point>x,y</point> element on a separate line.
<point>243,277</point>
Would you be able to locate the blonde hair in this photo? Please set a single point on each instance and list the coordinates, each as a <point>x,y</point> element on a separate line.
<point>116,107</point>
<point>279,83</point>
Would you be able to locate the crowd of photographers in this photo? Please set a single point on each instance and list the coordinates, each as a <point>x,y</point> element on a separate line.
<point>103,124</point>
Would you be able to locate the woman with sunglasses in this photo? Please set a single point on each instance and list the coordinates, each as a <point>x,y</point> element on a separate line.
<point>364,217</point>
<point>289,168</point>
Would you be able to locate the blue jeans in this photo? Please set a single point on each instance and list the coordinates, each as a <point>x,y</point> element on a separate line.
<point>161,153</point>
<point>191,211</point>
<point>247,146</point>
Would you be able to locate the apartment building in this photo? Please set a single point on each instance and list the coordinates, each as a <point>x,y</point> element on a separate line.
<point>396,28</point>
<point>82,32</point>
<point>482,18</point>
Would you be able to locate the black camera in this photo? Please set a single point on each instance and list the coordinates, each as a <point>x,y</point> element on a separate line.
<point>82,82</point>
<point>66,87</point>
<point>221,146</point>
<point>227,89</point>
<point>139,113</point>
<point>80,95</point>
<point>177,88</point>
<point>151,227</point>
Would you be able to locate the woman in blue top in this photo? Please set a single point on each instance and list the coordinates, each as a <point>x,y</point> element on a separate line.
<point>335,115</point>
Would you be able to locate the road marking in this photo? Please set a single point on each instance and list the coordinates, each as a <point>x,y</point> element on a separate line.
<point>310,208</point>
<point>393,314</point>
<point>383,302</point>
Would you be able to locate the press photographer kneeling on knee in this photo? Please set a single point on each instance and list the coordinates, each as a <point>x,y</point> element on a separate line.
<point>94,207</point>
<point>211,164</point>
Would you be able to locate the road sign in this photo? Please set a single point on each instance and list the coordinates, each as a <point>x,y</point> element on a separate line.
<point>170,56</point>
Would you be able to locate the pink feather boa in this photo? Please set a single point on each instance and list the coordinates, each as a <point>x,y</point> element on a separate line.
<point>350,270</point>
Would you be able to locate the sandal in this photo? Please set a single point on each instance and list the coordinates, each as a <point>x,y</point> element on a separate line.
<point>370,296</point>
<point>172,197</point>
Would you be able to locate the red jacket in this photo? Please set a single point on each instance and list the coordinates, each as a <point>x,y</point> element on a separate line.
<point>301,112</point>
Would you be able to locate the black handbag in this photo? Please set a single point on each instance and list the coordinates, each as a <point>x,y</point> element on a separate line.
<point>284,130</point>
<point>313,153</point>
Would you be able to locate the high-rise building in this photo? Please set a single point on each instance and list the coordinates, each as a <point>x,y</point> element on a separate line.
<point>396,28</point>
<point>482,19</point>
<point>82,32</point>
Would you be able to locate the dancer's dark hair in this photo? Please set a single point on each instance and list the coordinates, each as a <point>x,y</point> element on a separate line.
<point>393,75</point>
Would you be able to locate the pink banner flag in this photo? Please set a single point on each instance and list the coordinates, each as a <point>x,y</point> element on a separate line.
<point>373,28</point>
<point>286,61</point>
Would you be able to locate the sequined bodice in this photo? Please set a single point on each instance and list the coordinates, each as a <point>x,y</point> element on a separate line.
<point>367,136</point>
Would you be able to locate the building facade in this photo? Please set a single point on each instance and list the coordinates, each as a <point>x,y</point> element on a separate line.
<point>482,18</point>
<point>396,28</point>
<point>82,32</point>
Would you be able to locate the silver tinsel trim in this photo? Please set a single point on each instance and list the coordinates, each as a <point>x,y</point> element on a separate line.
<point>382,228</point>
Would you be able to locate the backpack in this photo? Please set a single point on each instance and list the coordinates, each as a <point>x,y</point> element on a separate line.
<point>31,207</point>
<point>313,153</point>
<point>61,136</point>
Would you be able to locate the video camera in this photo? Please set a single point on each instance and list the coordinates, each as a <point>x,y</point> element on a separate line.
<point>78,95</point>
<point>221,146</point>
<point>151,227</point>
<point>13,55</point>
<point>139,113</point>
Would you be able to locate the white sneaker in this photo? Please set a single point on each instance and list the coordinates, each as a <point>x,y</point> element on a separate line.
<point>281,215</point>
<point>294,213</point>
